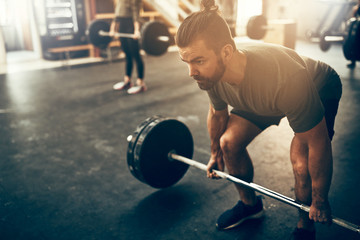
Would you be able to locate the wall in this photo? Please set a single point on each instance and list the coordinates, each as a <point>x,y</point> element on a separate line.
<point>247,9</point>
<point>11,25</point>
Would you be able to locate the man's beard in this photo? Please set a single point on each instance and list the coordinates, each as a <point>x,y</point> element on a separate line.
<point>206,83</point>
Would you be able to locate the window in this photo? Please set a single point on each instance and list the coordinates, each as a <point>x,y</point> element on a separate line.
<point>247,9</point>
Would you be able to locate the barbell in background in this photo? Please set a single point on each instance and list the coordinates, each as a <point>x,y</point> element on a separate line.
<point>257,28</point>
<point>154,36</point>
<point>131,35</point>
<point>159,155</point>
<point>350,39</point>
<point>327,38</point>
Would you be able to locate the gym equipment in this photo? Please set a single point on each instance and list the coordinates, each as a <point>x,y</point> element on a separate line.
<point>341,9</point>
<point>277,31</point>
<point>339,31</point>
<point>154,39</point>
<point>351,44</point>
<point>164,136</point>
<point>350,40</point>
<point>159,155</point>
<point>327,38</point>
<point>256,27</point>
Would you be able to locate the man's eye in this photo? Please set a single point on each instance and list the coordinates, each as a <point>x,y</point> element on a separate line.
<point>200,62</point>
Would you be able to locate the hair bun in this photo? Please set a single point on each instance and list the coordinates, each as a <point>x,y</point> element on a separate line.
<point>209,5</point>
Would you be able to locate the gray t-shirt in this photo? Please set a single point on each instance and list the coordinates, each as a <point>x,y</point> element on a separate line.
<point>279,82</point>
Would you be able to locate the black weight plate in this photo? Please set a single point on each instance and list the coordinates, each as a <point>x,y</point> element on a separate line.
<point>150,33</point>
<point>93,33</point>
<point>132,142</point>
<point>351,46</point>
<point>255,29</point>
<point>151,150</point>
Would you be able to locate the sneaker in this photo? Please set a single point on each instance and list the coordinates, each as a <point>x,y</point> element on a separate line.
<point>351,65</point>
<point>136,89</point>
<point>122,85</point>
<point>302,234</point>
<point>238,214</point>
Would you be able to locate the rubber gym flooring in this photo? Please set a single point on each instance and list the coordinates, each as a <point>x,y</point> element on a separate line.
<point>63,169</point>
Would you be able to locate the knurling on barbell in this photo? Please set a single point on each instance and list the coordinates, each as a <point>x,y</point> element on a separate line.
<point>155,38</point>
<point>159,153</point>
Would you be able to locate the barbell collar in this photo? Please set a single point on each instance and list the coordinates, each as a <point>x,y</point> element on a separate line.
<point>164,38</point>
<point>270,193</point>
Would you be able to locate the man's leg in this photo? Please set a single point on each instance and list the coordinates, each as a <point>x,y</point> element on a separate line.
<point>239,133</point>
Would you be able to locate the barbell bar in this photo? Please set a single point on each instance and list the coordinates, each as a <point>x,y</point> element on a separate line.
<point>327,38</point>
<point>270,193</point>
<point>130,35</point>
<point>334,38</point>
<point>159,154</point>
<point>154,36</point>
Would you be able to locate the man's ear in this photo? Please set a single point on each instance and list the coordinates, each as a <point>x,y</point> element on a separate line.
<point>227,52</point>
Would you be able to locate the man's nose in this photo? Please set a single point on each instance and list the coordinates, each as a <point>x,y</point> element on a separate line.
<point>192,71</point>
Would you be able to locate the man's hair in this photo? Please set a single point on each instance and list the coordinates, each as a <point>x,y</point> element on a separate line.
<point>206,24</point>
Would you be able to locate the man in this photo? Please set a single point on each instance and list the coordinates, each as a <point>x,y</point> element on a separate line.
<point>263,83</point>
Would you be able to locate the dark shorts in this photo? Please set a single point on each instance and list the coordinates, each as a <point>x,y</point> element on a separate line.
<point>262,122</point>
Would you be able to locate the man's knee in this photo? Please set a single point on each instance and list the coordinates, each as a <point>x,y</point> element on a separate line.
<point>230,146</point>
<point>302,176</point>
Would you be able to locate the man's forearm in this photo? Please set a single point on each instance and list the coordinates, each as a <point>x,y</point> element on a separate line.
<point>136,26</point>
<point>216,123</point>
<point>320,169</point>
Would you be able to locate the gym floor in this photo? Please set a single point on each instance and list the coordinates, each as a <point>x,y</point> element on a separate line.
<point>63,169</point>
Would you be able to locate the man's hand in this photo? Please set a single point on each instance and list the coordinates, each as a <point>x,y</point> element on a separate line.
<point>112,29</point>
<point>137,34</point>
<point>216,162</point>
<point>320,212</point>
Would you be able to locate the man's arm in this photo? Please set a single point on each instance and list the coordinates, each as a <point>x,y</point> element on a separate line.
<point>320,170</point>
<point>113,26</point>
<point>137,30</point>
<point>135,6</point>
<point>216,123</point>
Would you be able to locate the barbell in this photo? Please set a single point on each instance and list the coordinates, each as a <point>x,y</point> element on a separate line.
<point>154,36</point>
<point>257,27</point>
<point>159,153</point>
<point>350,39</point>
<point>327,38</point>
